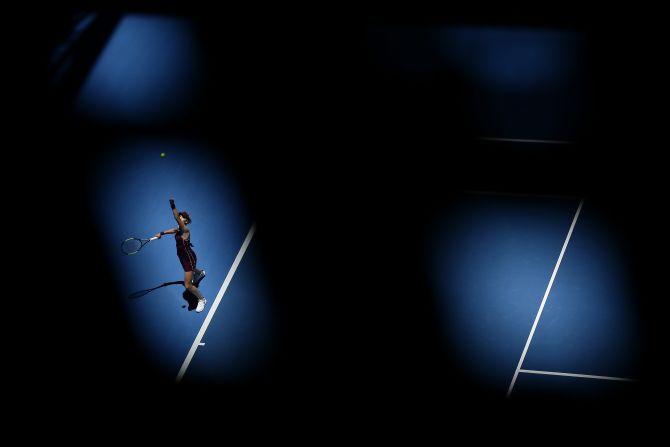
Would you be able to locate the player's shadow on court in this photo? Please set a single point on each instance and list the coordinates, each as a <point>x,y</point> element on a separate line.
<point>191,299</point>
<point>141,293</point>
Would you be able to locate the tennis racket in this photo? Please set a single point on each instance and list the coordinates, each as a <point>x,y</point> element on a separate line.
<point>134,244</point>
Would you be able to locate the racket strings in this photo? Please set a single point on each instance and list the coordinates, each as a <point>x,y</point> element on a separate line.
<point>131,245</point>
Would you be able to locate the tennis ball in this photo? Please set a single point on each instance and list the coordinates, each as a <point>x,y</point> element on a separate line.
<point>163,154</point>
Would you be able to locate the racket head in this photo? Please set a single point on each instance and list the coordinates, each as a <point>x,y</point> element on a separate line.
<point>131,245</point>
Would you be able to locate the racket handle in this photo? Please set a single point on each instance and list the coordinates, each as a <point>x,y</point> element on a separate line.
<point>153,238</point>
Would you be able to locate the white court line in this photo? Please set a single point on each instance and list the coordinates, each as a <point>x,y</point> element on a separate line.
<point>544,299</point>
<point>219,297</point>
<point>521,140</point>
<point>584,376</point>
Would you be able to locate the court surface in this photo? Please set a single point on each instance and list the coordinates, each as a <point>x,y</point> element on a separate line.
<point>535,296</point>
<point>232,338</point>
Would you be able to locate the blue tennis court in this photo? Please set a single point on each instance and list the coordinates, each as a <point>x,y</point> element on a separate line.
<point>149,72</point>
<point>129,194</point>
<point>146,73</point>
<point>535,297</point>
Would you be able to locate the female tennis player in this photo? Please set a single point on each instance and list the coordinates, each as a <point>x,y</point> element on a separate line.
<point>186,255</point>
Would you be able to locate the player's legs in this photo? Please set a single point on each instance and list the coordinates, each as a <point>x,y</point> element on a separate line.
<point>188,276</point>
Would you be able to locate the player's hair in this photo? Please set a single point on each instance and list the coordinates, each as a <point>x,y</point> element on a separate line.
<point>186,216</point>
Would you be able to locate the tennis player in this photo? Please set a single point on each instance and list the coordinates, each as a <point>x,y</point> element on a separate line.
<point>186,255</point>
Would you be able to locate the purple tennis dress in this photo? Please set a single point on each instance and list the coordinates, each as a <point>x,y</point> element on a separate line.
<point>185,253</point>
